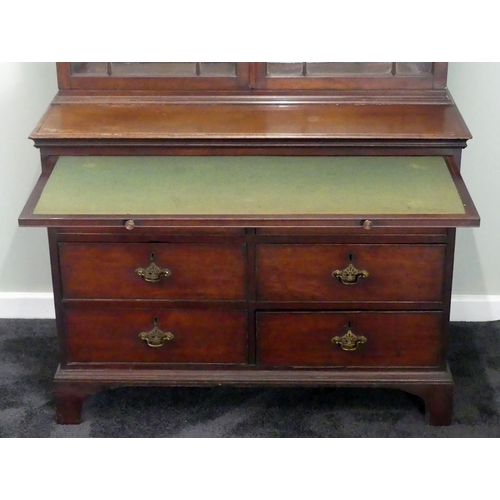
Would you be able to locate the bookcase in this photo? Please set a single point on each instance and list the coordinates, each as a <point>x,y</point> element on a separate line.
<point>252,224</point>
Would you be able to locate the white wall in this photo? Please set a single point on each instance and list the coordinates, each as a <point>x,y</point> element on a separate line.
<point>476,282</point>
<point>476,90</point>
<point>26,90</point>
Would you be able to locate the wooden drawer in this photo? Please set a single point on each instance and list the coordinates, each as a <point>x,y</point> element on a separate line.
<point>197,271</point>
<point>392,339</point>
<point>199,336</point>
<point>394,272</point>
<point>351,231</point>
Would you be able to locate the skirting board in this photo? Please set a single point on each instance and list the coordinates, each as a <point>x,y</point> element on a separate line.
<point>475,308</point>
<point>41,305</point>
<point>27,305</point>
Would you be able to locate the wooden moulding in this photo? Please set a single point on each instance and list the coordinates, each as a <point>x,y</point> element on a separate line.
<point>73,386</point>
<point>151,122</point>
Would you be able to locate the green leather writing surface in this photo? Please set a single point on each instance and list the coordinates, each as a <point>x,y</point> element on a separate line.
<point>249,185</point>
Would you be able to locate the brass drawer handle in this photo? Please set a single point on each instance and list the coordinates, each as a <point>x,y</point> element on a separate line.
<point>152,273</point>
<point>156,337</point>
<point>349,341</point>
<point>350,275</point>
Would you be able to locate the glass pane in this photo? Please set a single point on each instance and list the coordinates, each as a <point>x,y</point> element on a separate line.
<point>284,68</point>
<point>218,69</point>
<point>162,69</point>
<point>155,69</point>
<point>413,68</point>
<point>348,68</point>
<point>327,69</point>
<point>89,68</point>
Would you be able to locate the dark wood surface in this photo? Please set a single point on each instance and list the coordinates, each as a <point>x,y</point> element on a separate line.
<point>305,339</point>
<point>102,334</point>
<point>395,272</point>
<point>143,122</point>
<point>295,273</point>
<point>200,336</point>
<point>253,301</point>
<point>198,271</point>
<point>73,386</point>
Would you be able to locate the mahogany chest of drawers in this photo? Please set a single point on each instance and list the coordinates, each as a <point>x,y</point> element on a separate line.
<point>301,244</point>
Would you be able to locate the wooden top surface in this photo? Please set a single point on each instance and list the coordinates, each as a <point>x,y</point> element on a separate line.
<point>325,121</point>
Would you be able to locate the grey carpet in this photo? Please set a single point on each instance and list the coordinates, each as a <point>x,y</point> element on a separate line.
<point>29,354</point>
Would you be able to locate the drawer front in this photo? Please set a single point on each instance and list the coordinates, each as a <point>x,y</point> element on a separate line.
<point>377,272</point>
<point>156,336</point>
<point>355,339</point>
<point>183,271</point>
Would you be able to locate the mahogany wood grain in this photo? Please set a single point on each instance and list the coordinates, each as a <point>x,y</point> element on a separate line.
<point>69,406</point>
<point>52,234</point>
<point>250,122</point>
<point>349,232</point>
<point>434,97</point>
<point>200,336</point>
<point>409,379</point>
<point>261,147</point>
<point>352,235</point>
<point>303,339</point>
<point>264,235</point>
<point>231,304</point>
<point>160,234</point>
<point>469,219</point>
<point>73,385</point>
<point>251,294</point>
<point>395,272</point>
<point>198,271</point>
<point>208,235</point>
<point>438,400</point>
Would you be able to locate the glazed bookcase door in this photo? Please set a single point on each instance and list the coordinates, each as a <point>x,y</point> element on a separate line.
<point>155,76</point>
<point>244,76</point>
<point>350,75</point>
